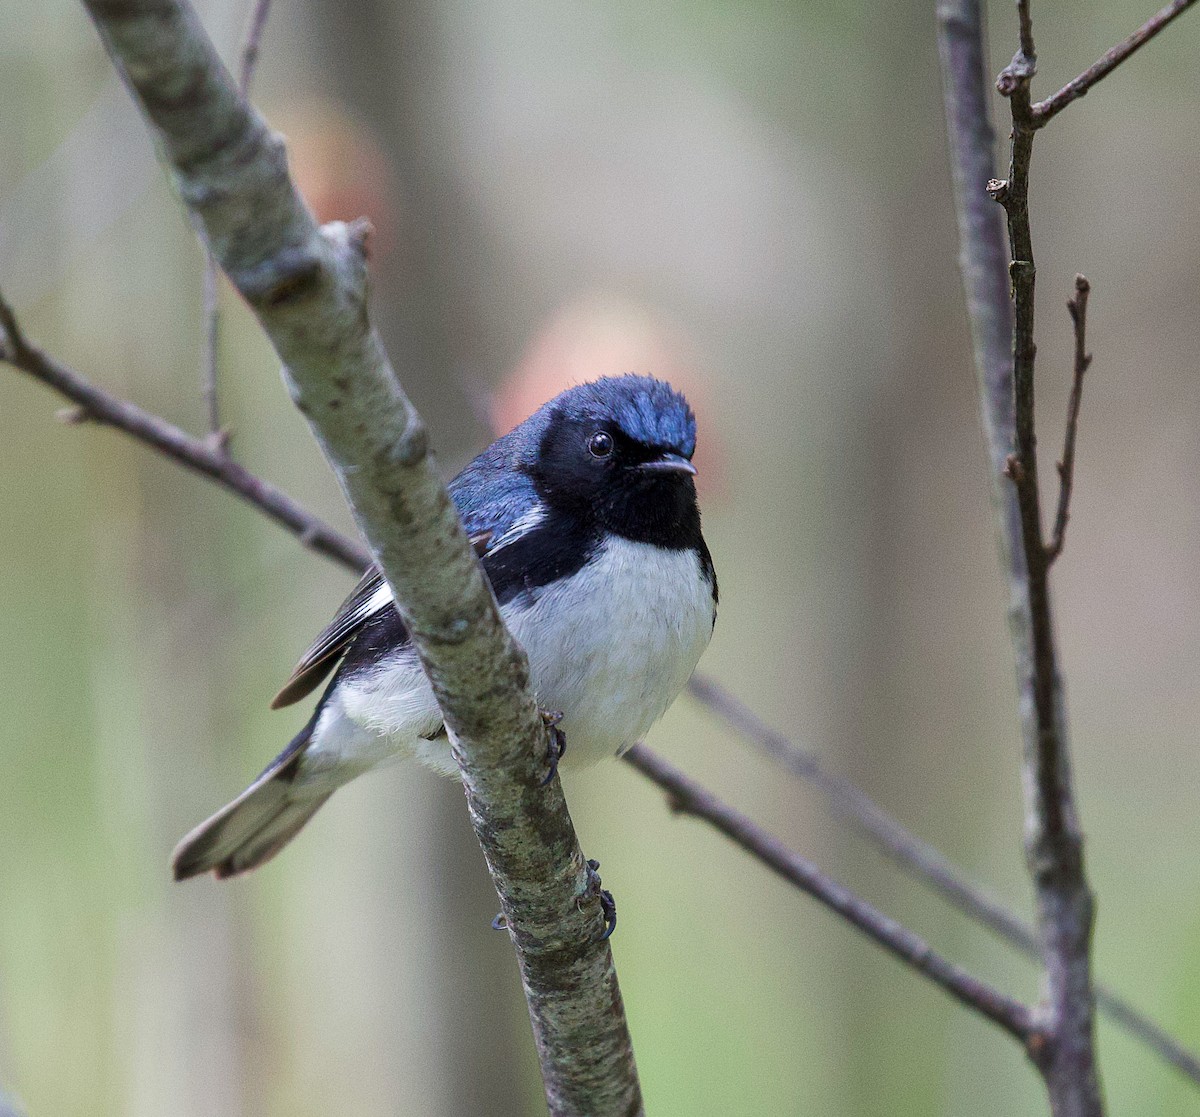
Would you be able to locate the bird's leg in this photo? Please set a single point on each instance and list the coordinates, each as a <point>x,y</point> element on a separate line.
<point>607,904</point>
<point>557,748</point>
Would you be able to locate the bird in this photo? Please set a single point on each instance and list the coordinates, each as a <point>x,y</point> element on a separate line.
<point>586,522</point>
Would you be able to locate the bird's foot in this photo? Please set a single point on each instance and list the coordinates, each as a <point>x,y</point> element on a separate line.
<point>557,748</point>
<point>607,904</point>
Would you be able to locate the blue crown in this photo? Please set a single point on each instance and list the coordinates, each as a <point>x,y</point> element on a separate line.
<point>647,410</point>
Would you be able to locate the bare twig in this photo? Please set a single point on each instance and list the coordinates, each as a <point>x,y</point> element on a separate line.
<point>1054,843</point>
<point>210,316</point>
<point>923,861</point>
<point>1046,110</point>
<point>1077,307</point>
<point>1025,29</point>
<point>210,335</point>
<point>850,802</point>
<point>96,405</point>
<point>307,287</point>
<point>253,44</point>
<point>688,797</point>
<point>855,806</point>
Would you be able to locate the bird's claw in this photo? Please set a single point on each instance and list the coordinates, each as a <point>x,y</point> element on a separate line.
<point>607,904</point>
<point>558,743</point>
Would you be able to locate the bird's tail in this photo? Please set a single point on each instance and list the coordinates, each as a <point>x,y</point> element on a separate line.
<point>253,828</point>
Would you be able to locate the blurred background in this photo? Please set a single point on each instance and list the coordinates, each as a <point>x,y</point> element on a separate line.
<point>753,201</point>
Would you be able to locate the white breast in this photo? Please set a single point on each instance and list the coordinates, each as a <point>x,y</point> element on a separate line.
<point>609,647</point>
<point>612,645</point>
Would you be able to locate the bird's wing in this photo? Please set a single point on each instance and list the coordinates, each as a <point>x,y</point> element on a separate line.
<point>367,598</point>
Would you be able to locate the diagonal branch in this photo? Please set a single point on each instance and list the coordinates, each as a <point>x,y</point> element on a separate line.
<point>686,796</point>
<point>921,859</point>
<point>96,405</point>
<point>308,287</point>
<point>1046,110</point>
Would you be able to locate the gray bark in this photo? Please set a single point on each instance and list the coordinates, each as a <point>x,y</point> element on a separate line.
<point>307,286</point>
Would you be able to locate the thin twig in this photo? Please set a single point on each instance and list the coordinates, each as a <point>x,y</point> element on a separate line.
<point>210,315</point>
<point>1053,836</point>
<point>924,862</point>
<point>686,796</point>
<point>193,453</point>
<point>855,806</point>
<point>253,44</point>
<point>1025,29</point>
<point>1046,110</point>
<point>210,333</point>
<point>1066,464</point>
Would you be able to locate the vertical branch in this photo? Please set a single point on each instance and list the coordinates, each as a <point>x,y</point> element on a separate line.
<point>210,315</point>
<point>1065,1054</point>
<point>210,335</point>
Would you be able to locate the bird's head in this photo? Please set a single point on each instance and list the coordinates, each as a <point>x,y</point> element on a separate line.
<point>619,449</point>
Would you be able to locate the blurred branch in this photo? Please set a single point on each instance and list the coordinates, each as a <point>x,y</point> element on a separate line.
<point>1066,465</point>
<point>922,860</point>
<point>210,319</point>
<point>1054,841</point>
<point>253,44</point>
<point>1045,110</point>
<point>210,333</point>
<point>307,287</point>
<point>851,803</point>
<point>685,796</point>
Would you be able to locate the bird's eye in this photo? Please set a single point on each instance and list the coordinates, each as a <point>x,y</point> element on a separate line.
<point>600,444</point>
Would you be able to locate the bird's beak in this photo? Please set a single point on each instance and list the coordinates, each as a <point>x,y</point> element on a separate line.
<point>669,463</point>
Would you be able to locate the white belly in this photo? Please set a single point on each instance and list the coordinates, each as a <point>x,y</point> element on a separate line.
<point>613,645</point>
<point>610,647</point>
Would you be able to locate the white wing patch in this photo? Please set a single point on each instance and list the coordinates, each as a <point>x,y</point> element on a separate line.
<point>520,528</point>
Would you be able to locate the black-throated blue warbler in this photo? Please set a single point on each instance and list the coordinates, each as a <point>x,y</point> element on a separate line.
<point>586,521</point>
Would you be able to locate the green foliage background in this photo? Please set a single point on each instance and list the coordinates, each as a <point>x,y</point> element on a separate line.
<point>767,183</point>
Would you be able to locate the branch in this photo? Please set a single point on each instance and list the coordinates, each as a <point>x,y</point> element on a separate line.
<point>253,44</point>
<point>925,862</point>
<point>210,317</point>
<point>1053,839</point>
<point>96,405</point>
<point>1066,465</point>
<point>307,286</point>
<point>688,797</point>
<point>210,335</point>
<point>1046,110</point>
